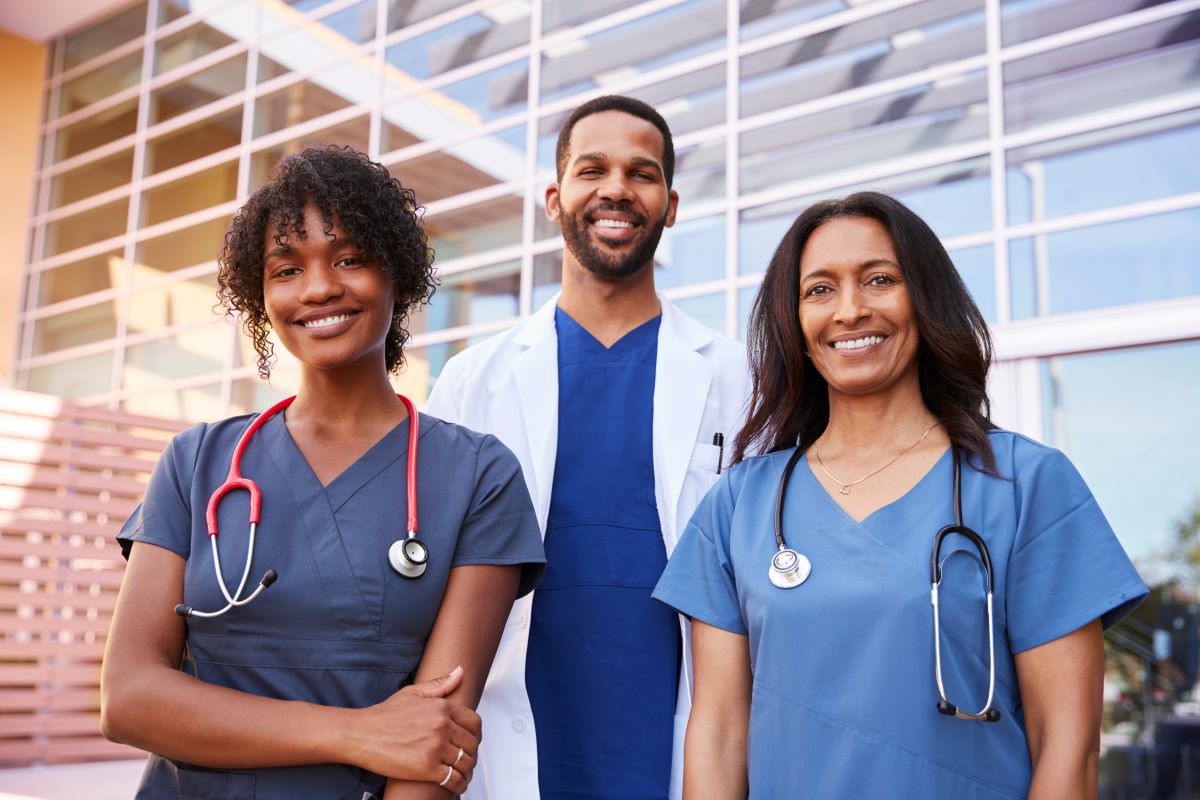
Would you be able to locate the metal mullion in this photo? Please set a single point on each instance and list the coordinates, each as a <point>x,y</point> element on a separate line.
<point>293,77</point>
<point>198,65</point>
<point>37,313</point>
<point>456,266</point>
<point>191,117</point>
<point>115,54</point>
<point>433,23</point>
<point>80,253</point>
<point>301,129</point>
<point>697,290</point>
<point>473,197</point>
<point>856,13</point>
<point>418,87</point>
<point>92,109</point>
<point>997,162</point>
<point>375,131</point>
<point>733,81</point>
<point>409,152</point>
<point>249,109</point>
<point>1095,30</point>
<point>198,270</point>
<point>601,24</point>
<point>965,240</point>
<point>529,207</point>
<point>445,335</point>
<point>1145,208</point>
<point>189,168</point>
<point>1099,120</point>
<point>183,222</point>
<point>70,353</point>
<point>90,156</point>
<point>87,203</point>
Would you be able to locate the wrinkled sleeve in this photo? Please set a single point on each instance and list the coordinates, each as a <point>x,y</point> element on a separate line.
<point>501,527</point>
<point>699,579</point>
<point>1067,567</point>
<point>164,517</point>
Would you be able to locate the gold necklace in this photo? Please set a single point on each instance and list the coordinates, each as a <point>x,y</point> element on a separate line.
<point>844,488</point>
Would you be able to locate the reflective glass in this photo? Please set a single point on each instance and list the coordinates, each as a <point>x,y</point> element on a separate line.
<point>89,275</point>
<point>254,394</point>
<point>423,365</point>
<point>547,276</point>
<point>171,10</point>
<point>402,13</point>
<point>311,44</point>
<point>689,102</point>
<point>916,120</point>
<point>465,166</point>
<point>184,355</point>
<point>100,83</point>
<point>643,45</point>
<point>1134,261</point>
<point>693,251</point>
<point>198,89</point>
<point>464,41</point>
<point>74,328</point>
<point>88,227</point>
<point>101,37</point>
<point>107,126</point>
<point>355,24</point>
<point>883,47</point>
<point>708,309</point>
<point>332,90</point>
<point>486,294</point>
<point>1142,473</point>
<point>193,404</point>
<point>458,107</point>
<point>188,45</point>
<point>476,228</point>
<point>1127,164</point>
<point>176,303</point>
<point>76,378</point>
<point>1121,69</point>
<point>1025,20</point>
<point>198,191</point>
<point>556,16</point>
<point>196,140</point>
<point>172,251</point>
<point>745,300</point>
<point>700,172</point>
<point>355,133</point>
<point>92,178</point>
<point>977,266</point>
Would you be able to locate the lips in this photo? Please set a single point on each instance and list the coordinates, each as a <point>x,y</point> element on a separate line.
<point>858,344</point>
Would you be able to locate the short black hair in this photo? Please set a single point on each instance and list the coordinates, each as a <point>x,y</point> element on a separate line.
<point>376,212</point>
<point>627,105</point>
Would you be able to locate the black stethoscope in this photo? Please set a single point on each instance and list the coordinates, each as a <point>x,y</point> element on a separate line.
<point>408,556</point>
<point>789,569</point>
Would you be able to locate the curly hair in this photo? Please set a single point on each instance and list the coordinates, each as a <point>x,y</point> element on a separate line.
<point>376,213</point>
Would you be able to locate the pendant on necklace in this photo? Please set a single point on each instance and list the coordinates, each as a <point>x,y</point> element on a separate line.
<point>845,490</point>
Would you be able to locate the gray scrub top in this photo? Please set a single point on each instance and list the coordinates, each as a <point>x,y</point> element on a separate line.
<point>338,627</point>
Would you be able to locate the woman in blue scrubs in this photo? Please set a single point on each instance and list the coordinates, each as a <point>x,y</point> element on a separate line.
<point>868,354</point>
<point>343,679</point>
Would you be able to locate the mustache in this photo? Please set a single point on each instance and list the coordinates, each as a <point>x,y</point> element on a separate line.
<point>621,208</point>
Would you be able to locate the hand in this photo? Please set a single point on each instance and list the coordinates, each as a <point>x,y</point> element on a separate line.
<point>416,734</point>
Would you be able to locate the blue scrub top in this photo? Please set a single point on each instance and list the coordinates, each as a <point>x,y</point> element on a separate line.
<point>603,658</point>
<point>844,694</point>
<point>338,627</point>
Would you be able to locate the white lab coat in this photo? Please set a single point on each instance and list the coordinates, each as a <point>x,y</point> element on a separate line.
<point>508,386</point>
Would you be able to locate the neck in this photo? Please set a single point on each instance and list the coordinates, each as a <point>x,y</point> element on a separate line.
<point>883,421</point>
<point>607,308</point>
<point>349,398</point>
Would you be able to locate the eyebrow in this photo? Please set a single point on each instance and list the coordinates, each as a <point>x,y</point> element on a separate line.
<point>279,250</point>
<point>873,262</point>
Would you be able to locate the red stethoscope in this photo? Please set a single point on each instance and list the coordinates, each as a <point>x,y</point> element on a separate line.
<point>408,556</point>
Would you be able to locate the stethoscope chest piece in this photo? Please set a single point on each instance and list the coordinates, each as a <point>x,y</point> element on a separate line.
<point>408,557</point>
<point>789,569</point>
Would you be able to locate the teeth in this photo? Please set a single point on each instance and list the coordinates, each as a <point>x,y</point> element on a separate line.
<point>612,223</point>
<point>857,344</point>
<point>325,322</point>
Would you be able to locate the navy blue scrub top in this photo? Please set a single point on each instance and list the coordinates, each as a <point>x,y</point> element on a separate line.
<point>338,627</point>
<point>603,658</point>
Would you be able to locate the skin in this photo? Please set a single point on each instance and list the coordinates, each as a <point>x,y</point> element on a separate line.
<point>345,404</point>
<point>614,171</point>
<point>851,287</point>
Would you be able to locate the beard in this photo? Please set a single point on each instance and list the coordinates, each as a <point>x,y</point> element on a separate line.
<point>606,262</point>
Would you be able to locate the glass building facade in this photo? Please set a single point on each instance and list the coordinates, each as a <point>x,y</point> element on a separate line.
<point>1052,144</point>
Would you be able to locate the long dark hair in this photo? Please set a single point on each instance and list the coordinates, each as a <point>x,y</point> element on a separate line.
<point>789,404</point>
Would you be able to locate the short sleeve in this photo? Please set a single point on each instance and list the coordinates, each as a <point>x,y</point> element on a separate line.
<point>1067,567</point>
<point>699,581</point>
<point>164,517</point>
<point>500,526</point>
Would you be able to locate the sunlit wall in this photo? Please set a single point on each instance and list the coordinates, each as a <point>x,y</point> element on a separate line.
<point>1051,143</point>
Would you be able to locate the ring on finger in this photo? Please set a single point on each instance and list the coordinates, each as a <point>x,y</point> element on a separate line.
<point>458,758</point>
<point>449,775</point>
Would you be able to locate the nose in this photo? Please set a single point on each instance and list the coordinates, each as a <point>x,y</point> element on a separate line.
<point>851,306</point>
<point>320,284</point>
<point>616,187</point>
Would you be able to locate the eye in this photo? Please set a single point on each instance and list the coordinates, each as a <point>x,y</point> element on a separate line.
<point>818,290</point>
<point>881,279</point>
<point>289,271</point>
<point>349,262</point>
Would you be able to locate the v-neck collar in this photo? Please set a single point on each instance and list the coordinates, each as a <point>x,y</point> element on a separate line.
<point>920,488</point>
<point>633,338</point>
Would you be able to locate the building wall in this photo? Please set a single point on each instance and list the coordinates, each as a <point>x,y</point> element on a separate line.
<point>22,79</point>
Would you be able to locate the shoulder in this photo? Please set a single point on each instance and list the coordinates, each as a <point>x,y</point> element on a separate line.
<point>753,470</point>
<point>1018,456</point>
<point>497,349</point>
<point>458,442</point>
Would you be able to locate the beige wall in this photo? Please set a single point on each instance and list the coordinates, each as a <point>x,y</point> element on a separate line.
<point>22,75</point>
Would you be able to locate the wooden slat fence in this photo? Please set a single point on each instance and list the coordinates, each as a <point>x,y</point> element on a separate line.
<point>69,476</point>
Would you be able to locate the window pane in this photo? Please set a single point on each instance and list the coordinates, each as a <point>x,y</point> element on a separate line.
<point>253,394</point>
<point>466,166</point>
<point>977,267</point>
<point>188,45</point>
<point>97,39</point>
<point>313,44</point>
<point>193,193</point>
<point>746,298</point>
<point>1025,20</point>
<point>184,355</point>
<point>923,118</point>
<point>178,303</point>
<point>567,15</point>
<point>73,280</point>
<point>708,309</point>
<point>93,178</point>
<point>456,108</point>
<point>298,103</point>
<point>480,295</point>
<point>1124,465</point>
<point>1128,164</point>
<point>88,227</point>
<point>690,102</point>
<point>678,33</point>
<point>464,41</point>
<point>547,276</point>
<point>180,249</point>
<point>1126,68</point>
<point>477,228</point>
<point>879,48</point>
<point>691,252</point>
<point>76,378</point>
<point>402,13</point>
<point>107,126</point>
<point>198,89</point>
<point>100,83</point>
<point>193,141</point>
<point>171,10</point>
<point>759,19</point>
<point>194,404</point>
<point>74,328</point>
<point>422,367</point>
<point>354,133</point>
<point>1134,261</point>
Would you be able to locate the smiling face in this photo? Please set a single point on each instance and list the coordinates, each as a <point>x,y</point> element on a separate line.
<point>612,201</point>
<point>327,305</point>
<point>855,310</point>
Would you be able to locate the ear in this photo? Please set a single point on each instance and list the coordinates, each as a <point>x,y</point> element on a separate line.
<point>672,207</point>
<point>553,211</point>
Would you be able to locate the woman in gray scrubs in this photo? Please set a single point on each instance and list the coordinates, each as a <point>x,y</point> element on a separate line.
<point>344,678</point>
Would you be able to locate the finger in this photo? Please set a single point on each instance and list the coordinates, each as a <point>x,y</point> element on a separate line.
<point>457,783</point>
<point>460,758</point>
<point>438,687</point>
<point>467,719</point>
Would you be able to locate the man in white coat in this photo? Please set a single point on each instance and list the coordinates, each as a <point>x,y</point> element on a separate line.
<point>612,400</point>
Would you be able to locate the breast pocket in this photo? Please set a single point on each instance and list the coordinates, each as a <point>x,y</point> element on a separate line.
<point>702,469</point>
